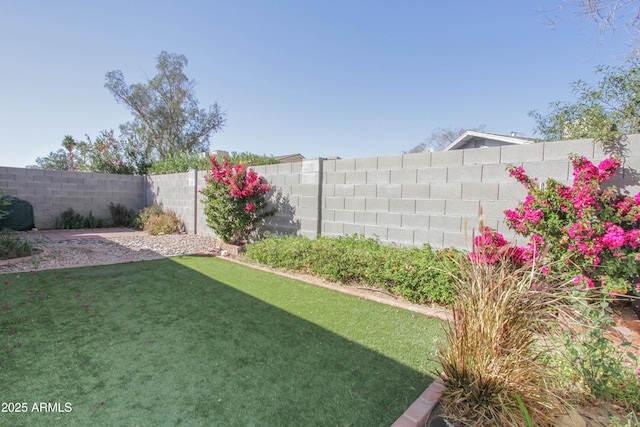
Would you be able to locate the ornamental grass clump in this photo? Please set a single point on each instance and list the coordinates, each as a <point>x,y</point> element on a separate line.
<point>492,362</point>
<point>14,247</point>
<point>235,200</point>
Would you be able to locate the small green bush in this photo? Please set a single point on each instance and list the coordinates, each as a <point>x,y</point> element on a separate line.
<point>144,214</point>
<point>418,274</point>
<point>13,247</point>
<point>121,216</point>
<point>69,220</point>
<point>164,223</point>
<point>93,222</point>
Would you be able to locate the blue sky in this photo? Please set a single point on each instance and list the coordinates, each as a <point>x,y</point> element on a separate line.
<point>348,78</point>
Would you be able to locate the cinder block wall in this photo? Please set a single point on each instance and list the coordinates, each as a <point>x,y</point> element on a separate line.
<point>53,192</point>
<point>176,192</point>
<point>412,199</point>
<point>438,198</point>
<point>296,194</point>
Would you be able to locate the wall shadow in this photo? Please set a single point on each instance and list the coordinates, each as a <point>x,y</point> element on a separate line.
<point>626,176</point>
<point>169,345</point>
<point>284,221</point>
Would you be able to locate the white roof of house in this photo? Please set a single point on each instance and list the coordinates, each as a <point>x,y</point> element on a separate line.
<point>471,134</point>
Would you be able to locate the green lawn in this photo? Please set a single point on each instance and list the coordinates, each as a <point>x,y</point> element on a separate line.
<point>202,341</point>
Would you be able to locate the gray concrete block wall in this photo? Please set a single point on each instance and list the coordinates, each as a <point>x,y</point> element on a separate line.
<point>298,203</point>
<point>440,198</point>
<point>413,199</point>
<point>178,193</point>
<point>53,192</point>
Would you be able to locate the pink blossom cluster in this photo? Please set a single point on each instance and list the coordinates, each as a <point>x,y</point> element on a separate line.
<point>520,175</point>
<point>241,181</point>
<point>491,247</point>
<point>527,215</point>
<point>583,282</point>
<point>595,230</point>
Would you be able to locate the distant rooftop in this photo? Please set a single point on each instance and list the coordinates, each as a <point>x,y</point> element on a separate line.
<point>290,158</point>
<point>475,139</point>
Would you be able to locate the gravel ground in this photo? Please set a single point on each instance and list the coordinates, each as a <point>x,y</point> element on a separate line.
<point>83,252</point>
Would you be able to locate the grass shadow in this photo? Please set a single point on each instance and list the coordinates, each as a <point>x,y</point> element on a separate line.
<point>164,343</point>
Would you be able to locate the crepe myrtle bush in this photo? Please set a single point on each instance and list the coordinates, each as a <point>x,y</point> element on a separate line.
<point>235,200</point>
<point>591,231</point>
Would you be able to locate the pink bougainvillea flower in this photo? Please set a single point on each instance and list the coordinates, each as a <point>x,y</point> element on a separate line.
<point>580,281</point>
<point>41,294</point>
<point>614,238</point>
<point>78,295</point>
<point>28,294</point>
<point>12,332</point>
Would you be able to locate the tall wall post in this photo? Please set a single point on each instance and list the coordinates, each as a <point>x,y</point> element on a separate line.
<point>311,198</point>
<point>193,185</point>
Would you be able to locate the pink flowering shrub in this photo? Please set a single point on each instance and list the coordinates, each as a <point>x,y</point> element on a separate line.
<point>234,200</point>
<point>491,247</point>
<point>593,231</point>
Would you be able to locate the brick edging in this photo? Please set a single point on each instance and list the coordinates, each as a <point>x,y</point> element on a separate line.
<point>44,252</point>
<point>418,413</point>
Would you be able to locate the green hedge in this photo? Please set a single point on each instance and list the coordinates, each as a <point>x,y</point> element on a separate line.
<point>418,274</point>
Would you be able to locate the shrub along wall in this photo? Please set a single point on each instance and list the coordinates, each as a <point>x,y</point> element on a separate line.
<point>409,199</point>
<point>53,192</point>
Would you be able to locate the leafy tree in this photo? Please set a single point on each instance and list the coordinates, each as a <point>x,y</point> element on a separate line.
<point>441,138</point>
<point>105,154</point>
<point>167,119</point>
<point>70,144</point>
<point>135,148</point>
<point>182,162</point>
<point>56,160</point>
<point>605,112</point>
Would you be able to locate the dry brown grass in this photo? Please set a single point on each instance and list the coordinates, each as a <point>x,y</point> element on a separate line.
<point>495,344</point>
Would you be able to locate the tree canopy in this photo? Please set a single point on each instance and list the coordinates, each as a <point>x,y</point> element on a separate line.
<point>606,111</point>
<point>105,154</point>
<point>167,119</point>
